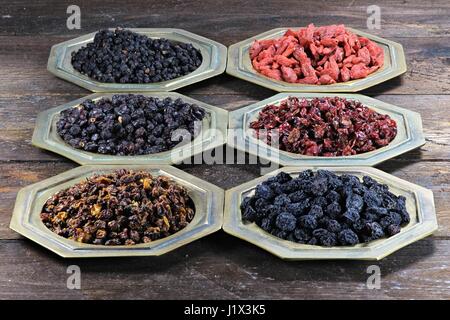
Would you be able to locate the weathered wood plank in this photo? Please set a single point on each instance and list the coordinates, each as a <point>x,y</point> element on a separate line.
<point>219,267</point>
<point>432,175</point>
<point>19,114</point>
<point>24,60</point>
<point>229,22</point>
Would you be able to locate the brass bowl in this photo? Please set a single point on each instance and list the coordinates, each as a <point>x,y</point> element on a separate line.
<point>207,198</point>
<point>240,66</point>
<point>214,56</point>
<point>409,133</point>
<point>419,203</point>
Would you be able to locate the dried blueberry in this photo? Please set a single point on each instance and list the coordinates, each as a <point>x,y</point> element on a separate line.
<point>247,201</point>
<point>281,200</point>
<point>348,238</point>
<point>297,196</point>
<point>123,125</point>
<point>264,192</point>
<point>318,186</point>
<point>308,222</point>
<point>333,226</point>
<point>319,201</point>
<point>316,211</point>
<point>405,216</point>
<point>354,201</point>
<point>302,235</point>
<point>351,215</point>
<point>283,177</point>
<point>378,211</point>
<point>396,217</point>
<point>326,238</point>
<point>333,210</point>
<point>372,198</point>
<point>266,224</point>
<point>333,196</point>
<point>318,218</point>
<point>392,229</point>
<point>297,208</point>
<point>375,231</point>
<point>286,221</point>
<point>249,214</point>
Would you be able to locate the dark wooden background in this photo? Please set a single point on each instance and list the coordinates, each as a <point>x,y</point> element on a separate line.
<point>220,266</point>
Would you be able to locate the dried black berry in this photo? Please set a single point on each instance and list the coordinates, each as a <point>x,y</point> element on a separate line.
<point>351,215</point>
<point>297,208</point>
<point>281,200</point>
<point>333,196</point>
<point>124,56</point>
<point>392,229</point>
<point>249,213</point>
<point>301,235</point>
<point>375,231</point>
<point>297,196</point>
<point>316,211</point>
<point>333,226</point>
<point>347,237</point>
<point>286,221</point>
<point>264,192</point>
<point>266,224</point>
<point>325,237</point>
<point>308,222</point>
<point>333,210</point>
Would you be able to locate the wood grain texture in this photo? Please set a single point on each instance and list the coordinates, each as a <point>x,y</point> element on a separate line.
<point>15,136</point>
<point>25,58</point>
<point>433,175</point>
<point>220,266</point>
<point>228,22</point>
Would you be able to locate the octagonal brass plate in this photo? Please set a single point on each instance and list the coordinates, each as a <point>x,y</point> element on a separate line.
<point>212,134</point>
<point>409,133</point>
<point>214,57</point>
<point>240,66</point>
<point>207,198</point>
<point>419,203</point>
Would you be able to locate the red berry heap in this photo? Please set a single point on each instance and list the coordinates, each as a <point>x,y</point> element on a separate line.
<point>327,127</point>
<point>317,55</point>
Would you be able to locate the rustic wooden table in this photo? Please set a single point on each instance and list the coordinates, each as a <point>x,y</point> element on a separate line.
<point>220,266</point>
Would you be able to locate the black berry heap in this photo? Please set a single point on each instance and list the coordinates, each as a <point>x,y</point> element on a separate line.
<point>129,124</point>
<point>325,209</point>
<point>123,56</point>
<point>120,208</point>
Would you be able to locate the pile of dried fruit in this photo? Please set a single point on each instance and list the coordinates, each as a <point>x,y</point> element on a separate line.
<point>120,208</point>
<point>324,127</point>
<point>317,55</point>
<point>325,209</point>
<point>124,56</point>
<point>129,124</point>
